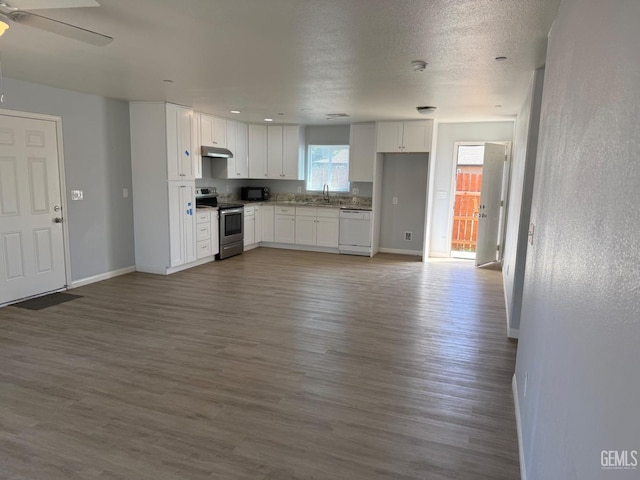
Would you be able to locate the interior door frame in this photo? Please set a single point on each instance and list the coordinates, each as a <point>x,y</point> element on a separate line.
<point>506,176</point>
<point>61,178</point>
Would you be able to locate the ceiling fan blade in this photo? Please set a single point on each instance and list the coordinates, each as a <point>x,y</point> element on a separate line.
<point>60,28</point>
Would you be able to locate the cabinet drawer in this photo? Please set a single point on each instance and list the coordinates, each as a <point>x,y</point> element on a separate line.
<point>203,248</point>
<point>249,210</point>
<point>328,212</point>
<point>203,231</point>
<point>203,217</point>
<point>285,210</point>
<point>306,211</point>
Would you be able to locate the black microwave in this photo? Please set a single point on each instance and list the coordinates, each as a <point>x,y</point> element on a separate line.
<point>258,194</point>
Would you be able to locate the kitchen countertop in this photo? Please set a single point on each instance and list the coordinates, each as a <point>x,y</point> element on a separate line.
<point>289,203</point>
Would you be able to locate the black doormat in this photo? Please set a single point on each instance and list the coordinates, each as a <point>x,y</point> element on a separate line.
<point>46,301</point>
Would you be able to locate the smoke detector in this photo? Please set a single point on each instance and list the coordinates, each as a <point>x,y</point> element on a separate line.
<point>418,65</point>
<point>426,109</point>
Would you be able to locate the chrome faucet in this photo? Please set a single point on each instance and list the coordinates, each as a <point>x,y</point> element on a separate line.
<point>325,192</point>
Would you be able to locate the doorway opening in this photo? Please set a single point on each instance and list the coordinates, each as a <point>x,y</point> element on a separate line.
<point>466,207</point>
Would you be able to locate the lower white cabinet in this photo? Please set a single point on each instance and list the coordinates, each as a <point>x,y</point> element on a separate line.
<point>284,225</point>
<point>258,223</point>
<point>182,208</point>
<point>317,226</point>
<point>249,225</point>
<point>207,241</point>
<point>268,214</point>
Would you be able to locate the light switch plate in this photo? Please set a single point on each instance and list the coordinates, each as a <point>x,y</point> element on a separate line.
<point>125,193</point>
<point>441,195</point>
<point>77,194</point>
<point>395,200</point>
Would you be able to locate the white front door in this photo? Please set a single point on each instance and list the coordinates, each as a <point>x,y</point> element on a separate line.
<point>31,242</point>
<point>490,203</point>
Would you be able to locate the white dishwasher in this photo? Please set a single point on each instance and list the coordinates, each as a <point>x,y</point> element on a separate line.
<point>355,232</point>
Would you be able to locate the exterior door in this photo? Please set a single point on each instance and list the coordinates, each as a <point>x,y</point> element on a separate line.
<point>490,203</point>
<point>31,235</point>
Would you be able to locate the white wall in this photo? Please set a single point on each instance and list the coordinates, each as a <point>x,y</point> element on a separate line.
<point>97,156</point>
<point>523,165</point>
<point>580,329</point>
<point>448,134</point>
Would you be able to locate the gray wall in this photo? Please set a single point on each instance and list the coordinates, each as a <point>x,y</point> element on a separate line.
<point>97,158</point>
<point>523,165</point>
<point>405,177</point>
<point>448,134</point>
<point>580,329</point>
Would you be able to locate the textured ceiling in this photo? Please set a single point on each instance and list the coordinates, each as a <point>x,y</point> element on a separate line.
<point>266,57</point>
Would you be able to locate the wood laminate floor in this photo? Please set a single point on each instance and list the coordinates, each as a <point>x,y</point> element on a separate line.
<point>270,365</point>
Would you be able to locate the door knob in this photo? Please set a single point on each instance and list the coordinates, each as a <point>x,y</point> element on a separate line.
<point>57,220</point>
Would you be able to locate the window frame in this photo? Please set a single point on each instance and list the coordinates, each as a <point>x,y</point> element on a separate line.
<point>329,165</point>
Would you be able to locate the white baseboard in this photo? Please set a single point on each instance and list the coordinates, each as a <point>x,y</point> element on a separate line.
<point>513,332</point>
<point>399,251</point>
<point>516,401</point>
<point>103,276</point>
<point>170,270</point>
<point>439,255</point>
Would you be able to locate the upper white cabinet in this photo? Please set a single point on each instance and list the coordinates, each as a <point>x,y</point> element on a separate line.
<point>362,152</point>
<point>238,142</point>
<point>213,131</point>
<point>196,144</point>
<point>180,161</point>
<point>257,151</point>
<point>404,137</point>
<point>285,152</point>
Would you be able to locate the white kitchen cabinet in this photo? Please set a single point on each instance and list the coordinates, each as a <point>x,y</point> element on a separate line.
<point>317,226</point>
<point>285,152</point>
<point>268,214</point>
<point>180,162</point>
<point>258,222</point>
<point>284,224</point>
<point>404,137</point>
<point>182,207</point>
<point>213,131</point>
<point>238,142</point>
<point>163,197</point>
<point>362,152</point>
<point>196,143</point>
<point>258,151</point>
<point>306,229</point>
<point>328,227</point>
<point>249,226</point>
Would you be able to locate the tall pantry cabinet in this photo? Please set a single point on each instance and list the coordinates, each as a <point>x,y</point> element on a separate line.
<point>163,171</point>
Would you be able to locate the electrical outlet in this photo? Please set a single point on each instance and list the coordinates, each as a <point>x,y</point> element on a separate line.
<point>395,200</point>
<point>77,194</point>
<point>408,236</point>
<point>125,193</point>
<point>356,191</point>
<point>299,189</point>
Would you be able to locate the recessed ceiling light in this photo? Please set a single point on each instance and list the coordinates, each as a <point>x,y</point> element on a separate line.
<point>501,59</point>
<point>234,111</point>
<point>306,110</point>
<point>418,65</point>
<point>498,106</point>
<point>168,81</point>
<point>281,114</point>
<point>268,119</point>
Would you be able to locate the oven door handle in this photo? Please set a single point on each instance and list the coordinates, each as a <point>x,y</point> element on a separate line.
<point>231,211</point>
